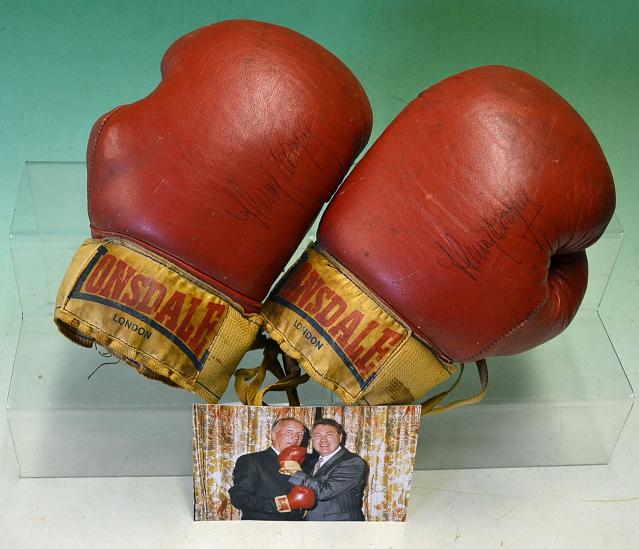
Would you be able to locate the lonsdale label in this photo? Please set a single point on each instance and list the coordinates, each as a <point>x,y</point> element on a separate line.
<point>147,305</point>
<point>339,330</point>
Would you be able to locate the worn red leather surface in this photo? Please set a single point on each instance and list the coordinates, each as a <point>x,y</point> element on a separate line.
<point>470,215</point>
<point>224,166</point>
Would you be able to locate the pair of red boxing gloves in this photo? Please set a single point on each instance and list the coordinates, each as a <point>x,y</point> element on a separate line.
<point>460,234</point>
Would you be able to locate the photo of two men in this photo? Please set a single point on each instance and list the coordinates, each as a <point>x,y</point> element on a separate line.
<point>303,463</point>
<point>284,482</point>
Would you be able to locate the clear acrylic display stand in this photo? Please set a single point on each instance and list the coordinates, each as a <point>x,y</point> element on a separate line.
<point>566,402</point>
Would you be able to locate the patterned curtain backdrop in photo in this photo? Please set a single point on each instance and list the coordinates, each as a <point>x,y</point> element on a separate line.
<point>386,437</point>
<point>221,434</point>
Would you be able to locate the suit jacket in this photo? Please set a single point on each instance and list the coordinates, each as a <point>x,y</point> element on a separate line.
<point>339,486</point>
<point>256,482</point>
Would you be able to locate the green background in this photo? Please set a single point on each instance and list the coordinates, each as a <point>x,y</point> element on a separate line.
<point>65,63</point>
<point>62,64</point>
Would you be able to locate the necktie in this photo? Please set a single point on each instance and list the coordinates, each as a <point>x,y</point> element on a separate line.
<point>317,466</point>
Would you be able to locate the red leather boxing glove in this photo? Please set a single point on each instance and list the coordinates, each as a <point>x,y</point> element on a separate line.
<point>300,497</point>
<point>291,459</point>
<point>199,193</point>
<point>459,236</point>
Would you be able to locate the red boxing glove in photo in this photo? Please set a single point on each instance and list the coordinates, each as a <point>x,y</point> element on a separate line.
<point>300,497</point>
<point>291,459</point>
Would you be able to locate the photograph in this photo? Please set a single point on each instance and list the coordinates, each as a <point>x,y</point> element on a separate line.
<point>312,463</point>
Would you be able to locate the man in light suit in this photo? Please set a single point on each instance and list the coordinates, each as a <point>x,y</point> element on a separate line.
<point>257,482</point>
<point>337,476</point>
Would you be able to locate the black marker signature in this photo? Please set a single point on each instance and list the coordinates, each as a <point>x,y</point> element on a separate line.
<point>494,227</point>
<point>257,203</point>
<point>288,153</point>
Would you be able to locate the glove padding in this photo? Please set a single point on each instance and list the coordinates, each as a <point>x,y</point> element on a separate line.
<point>199,193</point>
<point>460,235</point>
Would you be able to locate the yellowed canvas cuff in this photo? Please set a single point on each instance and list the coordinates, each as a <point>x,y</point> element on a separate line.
<point>160,319</point>
<point>345,339</point>
<point>282,504</point>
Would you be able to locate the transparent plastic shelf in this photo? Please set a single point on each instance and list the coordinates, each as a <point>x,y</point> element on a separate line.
<point>563,403</point>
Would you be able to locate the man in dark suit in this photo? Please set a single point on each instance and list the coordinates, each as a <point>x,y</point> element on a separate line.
<point>337,476</point>
<point>257,482</point>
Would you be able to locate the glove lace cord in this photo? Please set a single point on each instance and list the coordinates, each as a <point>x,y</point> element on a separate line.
<point>430,407</point>
<point>249,380</point>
